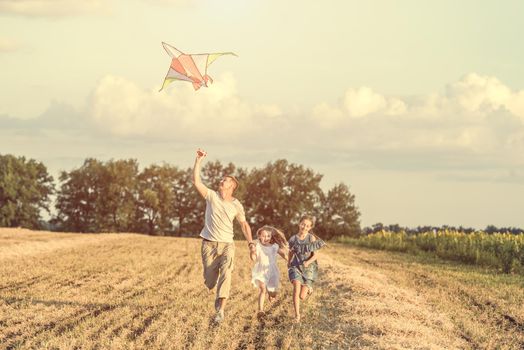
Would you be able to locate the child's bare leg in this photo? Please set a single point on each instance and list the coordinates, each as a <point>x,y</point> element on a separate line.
<point>272,295</point>
<point>261,295</point>
<point>296,299</point>
<point>304,292</point>
<point>221,303</point>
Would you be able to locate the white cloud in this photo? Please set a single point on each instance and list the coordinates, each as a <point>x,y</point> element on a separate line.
<point>471,98</point>
<point>53,8</point>
<point>515,143</point>
<point>474,125</point>
<point>479,95</point>
<point>65,8</point>
<point>363,101</point>
<point>170,2</point>
<point>476,114</point>
<point>475,93</point>
<point>120,107</point>
<point>327,116</point>
<point>8,45</point>
<point>516,104</point>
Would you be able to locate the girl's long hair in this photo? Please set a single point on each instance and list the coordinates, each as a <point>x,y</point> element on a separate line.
<point>277,236</point>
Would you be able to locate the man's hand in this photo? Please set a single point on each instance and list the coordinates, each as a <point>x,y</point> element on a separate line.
<point>202,189</point>
<point>201,153</point>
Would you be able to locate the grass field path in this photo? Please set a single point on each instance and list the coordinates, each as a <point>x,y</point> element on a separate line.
<point>128,291</point>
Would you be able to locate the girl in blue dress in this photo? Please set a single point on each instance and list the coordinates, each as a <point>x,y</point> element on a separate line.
<point>302,261</point>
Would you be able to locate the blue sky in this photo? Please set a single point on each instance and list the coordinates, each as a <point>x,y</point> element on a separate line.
<point>417,106</point>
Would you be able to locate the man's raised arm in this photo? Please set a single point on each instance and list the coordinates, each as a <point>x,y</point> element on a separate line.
<point>201,188</point>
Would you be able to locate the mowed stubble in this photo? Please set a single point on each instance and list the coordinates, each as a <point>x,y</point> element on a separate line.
<point>130,291</point>
<point>127,291</point>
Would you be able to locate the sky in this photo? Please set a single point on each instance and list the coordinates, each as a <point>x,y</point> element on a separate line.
<point>417,106</point>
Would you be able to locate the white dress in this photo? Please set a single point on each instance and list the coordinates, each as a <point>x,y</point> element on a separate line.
<point>266,269</point>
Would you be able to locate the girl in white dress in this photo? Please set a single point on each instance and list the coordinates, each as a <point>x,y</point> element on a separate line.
<point>265,274</point>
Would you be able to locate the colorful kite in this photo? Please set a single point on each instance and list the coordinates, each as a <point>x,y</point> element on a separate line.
<point>188,67</point>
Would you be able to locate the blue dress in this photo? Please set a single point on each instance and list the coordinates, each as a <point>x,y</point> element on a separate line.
<point>303,250</point>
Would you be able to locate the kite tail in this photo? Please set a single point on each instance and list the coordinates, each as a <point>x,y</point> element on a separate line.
<point>207,78</point>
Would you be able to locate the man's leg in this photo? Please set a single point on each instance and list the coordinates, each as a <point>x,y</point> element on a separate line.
<point>210,263</point>
<point>226,254</point>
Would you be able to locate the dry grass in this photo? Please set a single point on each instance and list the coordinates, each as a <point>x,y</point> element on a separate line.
<point>127,291</point>
<point>482,308</point>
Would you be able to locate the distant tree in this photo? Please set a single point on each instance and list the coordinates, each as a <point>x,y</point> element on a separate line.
<point>491,229</point>
<point>25,187</point>
<point>513,230</point>
<point>279,193</point>
<point>213,172</point>
<point>148,208</point>
<point>114,196</point>
<point>155,198</point>
<point>98,197</point>
<point>377,227</point>
<point>394,228</point>
<point>465,229</point>
<point>188,206</point>
<point>168,203</point>
<point>339,215</point>
<point>118,193</point>
<point>78,197</point>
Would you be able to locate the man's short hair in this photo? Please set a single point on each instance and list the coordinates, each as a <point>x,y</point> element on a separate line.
<point>234,180</point>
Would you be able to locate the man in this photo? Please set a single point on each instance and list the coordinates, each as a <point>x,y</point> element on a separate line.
<point>218,248</point>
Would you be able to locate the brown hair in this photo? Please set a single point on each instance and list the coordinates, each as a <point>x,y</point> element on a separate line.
<point>310,218</point>
<point>234,180</point>
<point>277,236</point>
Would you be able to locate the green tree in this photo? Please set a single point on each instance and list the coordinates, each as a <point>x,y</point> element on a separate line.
<point>78,197</point>
<point>25,187</point>
<point>116,203</point>
<point>339,215</point>
<point>156,195</point>
<point>280,193</point>
<point>98,197</point>
<point>213,172</point>
<point>188,206</point>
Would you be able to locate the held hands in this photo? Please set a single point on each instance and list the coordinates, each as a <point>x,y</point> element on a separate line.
<point>306,264</point>
<point>252,251</point>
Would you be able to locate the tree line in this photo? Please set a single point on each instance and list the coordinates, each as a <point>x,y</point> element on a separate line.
<point>118,196</point>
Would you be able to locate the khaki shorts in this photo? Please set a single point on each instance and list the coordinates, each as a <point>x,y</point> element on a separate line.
<point>217,260</point>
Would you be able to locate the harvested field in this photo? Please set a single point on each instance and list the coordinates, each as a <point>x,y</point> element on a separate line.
<point>129,291</point>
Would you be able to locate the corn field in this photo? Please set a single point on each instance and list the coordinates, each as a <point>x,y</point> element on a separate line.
<point>504,251</point>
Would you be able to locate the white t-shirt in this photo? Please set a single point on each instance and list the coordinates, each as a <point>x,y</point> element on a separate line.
<point>220,214</point>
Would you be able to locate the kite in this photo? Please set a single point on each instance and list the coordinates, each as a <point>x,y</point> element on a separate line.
<point>190,67</point>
